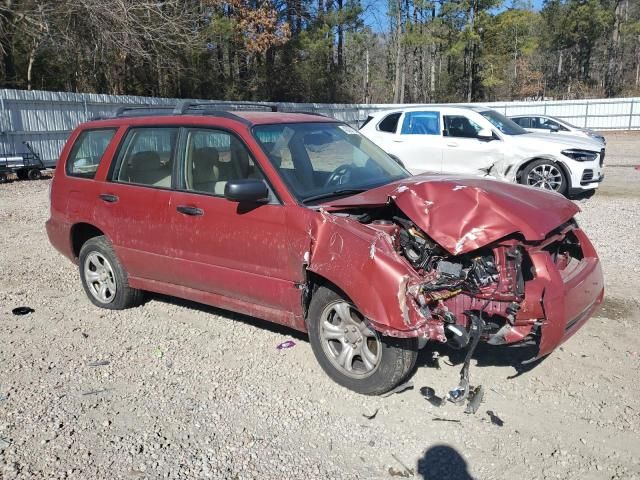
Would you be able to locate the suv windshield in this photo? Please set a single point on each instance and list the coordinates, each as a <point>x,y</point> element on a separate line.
<point>319,161</point>
<point>502,123</point>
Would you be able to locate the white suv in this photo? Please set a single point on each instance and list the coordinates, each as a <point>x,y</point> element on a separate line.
<point>555,125</point>
<point>481,141</point>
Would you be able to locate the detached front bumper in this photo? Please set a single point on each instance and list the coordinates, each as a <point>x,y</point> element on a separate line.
<point>570,296</point>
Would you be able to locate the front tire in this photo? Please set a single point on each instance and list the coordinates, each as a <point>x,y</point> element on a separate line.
<point>351,352</point>
<point>103,278</point>
<point>545,174</point>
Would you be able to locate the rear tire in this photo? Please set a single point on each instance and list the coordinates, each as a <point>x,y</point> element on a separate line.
<point>103,278</point>
<point>3,178</point>
<point>545,174</point>
<point>350,352</point>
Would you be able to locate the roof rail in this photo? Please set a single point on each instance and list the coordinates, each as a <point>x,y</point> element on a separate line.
<point>184,107</point>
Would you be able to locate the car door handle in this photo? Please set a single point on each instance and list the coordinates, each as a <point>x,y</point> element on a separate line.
<point>397,140</point>
<point>108,197</point>
<point>452,144</point>
<point>188,210</point>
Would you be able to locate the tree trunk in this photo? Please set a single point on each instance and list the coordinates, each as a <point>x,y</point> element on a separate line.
<point>32,57</point>
<point>398,67</point>
<point>340,37</point>
<point>471,51</point>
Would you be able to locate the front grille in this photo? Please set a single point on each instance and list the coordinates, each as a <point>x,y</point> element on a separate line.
<point>587,175</point>
<point>602,157</point>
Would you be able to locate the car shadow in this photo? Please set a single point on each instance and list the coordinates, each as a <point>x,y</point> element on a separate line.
<point>430,356</point>
<point>485,356</point>
<point>442,462</point>
<point>236,317</point>
<point>582,195</point>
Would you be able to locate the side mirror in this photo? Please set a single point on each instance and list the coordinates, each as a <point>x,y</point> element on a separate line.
<point>554,128</point>
<point>246,190</point>
<point>485,135</point>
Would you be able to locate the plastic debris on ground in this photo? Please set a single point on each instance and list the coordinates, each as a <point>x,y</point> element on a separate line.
<point>286,344</point>
<point>22,310</point>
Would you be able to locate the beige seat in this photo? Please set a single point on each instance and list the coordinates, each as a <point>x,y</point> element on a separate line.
<point>146,168</point>
<point>206,169</point>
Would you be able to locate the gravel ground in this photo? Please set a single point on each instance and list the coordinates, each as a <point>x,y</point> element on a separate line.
<point>174,389</point>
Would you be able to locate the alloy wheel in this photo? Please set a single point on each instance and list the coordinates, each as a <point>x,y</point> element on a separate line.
<point>545,176</point>
<point>349,343</point>
<point>100,278</point>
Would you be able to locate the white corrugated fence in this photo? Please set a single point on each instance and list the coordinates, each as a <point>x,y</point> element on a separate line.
<point>45,119</point>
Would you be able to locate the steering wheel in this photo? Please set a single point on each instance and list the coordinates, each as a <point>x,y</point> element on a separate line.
<point>338,175</point>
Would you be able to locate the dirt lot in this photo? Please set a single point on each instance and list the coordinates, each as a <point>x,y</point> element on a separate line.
<point>195,392</point>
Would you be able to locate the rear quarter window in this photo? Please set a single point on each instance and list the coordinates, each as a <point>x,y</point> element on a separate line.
<point>389,123</point>
<point>87,152</point>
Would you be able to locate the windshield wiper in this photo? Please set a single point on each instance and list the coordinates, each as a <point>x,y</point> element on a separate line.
<point>334,193</point>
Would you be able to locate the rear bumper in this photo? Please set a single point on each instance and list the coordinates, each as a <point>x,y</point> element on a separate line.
<point>60,237</point>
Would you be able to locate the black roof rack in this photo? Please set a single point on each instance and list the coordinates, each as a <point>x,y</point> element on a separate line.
<point>188,107</point>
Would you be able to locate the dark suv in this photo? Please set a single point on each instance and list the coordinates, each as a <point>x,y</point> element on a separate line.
<point>300,220</point>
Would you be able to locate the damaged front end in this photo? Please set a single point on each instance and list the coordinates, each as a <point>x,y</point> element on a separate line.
<point>464,261</point>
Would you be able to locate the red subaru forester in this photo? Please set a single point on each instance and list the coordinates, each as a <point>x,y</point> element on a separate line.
<point>300,220</point>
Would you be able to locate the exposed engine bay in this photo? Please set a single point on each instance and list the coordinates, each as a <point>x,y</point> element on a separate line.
<point>459,261</point>
<point>466,298</point>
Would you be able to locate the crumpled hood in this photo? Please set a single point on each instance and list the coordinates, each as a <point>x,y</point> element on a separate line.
<point>561,141</point>
<point>463,213</point>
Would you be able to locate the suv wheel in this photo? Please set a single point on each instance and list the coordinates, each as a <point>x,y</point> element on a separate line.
<point>103,278</point>
<point>352,353</point>
<point>544,174</point>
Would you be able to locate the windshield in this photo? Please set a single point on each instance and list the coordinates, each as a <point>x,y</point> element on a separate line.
<point>502,123</point>
<point>323,160</point>
<point>564,122</point>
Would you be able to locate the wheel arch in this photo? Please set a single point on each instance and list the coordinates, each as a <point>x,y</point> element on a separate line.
<point>314,281</point>
<point>80,234</point>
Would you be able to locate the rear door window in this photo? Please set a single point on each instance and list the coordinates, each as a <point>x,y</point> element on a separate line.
<point>421,123</point>
<point>87,152</point>
<point>146,157</point>
<point>524,122</point>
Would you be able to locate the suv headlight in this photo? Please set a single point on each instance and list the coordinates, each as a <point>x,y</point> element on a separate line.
<point>580,155</point>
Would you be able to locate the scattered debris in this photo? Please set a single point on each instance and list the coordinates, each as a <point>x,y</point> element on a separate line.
<point>400,388</point>
<point>286,344</point>
<point>22,310</point>
<point>96,392</point>
<point>372,416</point>
<point>430,395</point>
<point>460,393</point>
<point>98,363</point>
<point>440,419</point>
<point>406,473</point>
<point>159,353</point>
<point>4,443</point>
<point>496,420</point>
<point>476,395</point>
